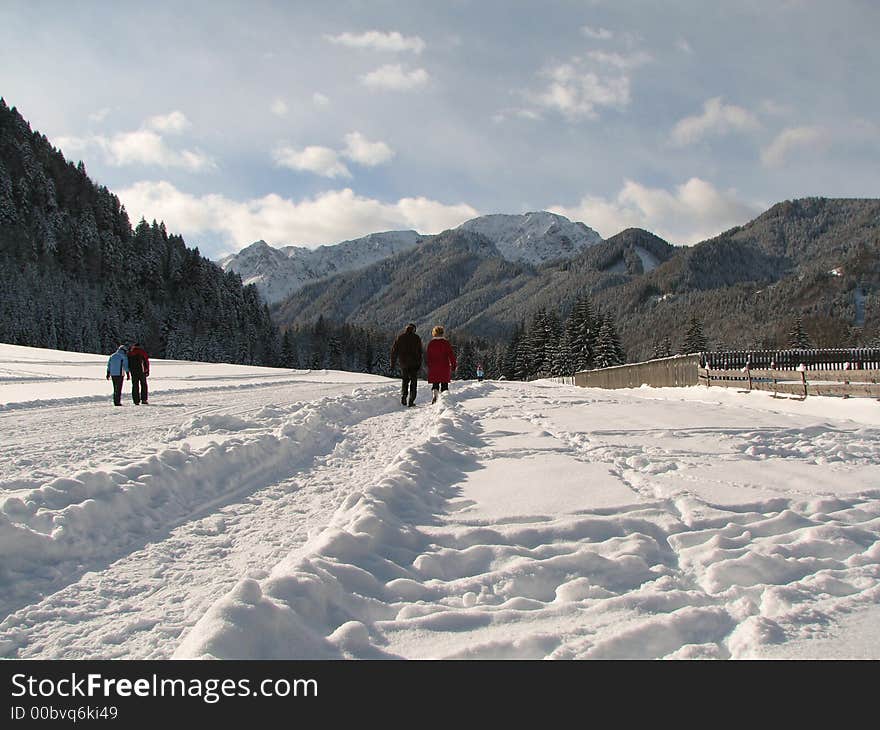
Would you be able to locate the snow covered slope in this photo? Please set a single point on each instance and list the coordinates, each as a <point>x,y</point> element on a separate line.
<point>278,272</point>
<point>307,515</point>
<point>649,260</point>
<point>534,237</point>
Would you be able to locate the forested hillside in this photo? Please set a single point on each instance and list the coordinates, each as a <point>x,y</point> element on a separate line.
<point>74,275</point>
<point>456,266</point>
<point>814,258</point>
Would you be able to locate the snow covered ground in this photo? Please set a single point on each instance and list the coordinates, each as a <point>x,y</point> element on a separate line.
<point>259,513</point>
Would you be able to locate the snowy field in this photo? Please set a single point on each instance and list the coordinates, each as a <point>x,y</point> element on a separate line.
<point>260,513</point>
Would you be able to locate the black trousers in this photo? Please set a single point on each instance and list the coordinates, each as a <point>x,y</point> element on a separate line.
<point>117,389</point>
<point>410,376</point>
<point>440,386</point>
<point>138,388</point>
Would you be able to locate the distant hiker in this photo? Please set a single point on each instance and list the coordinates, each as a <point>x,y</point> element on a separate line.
<point>117,367</point>
<point>407,349</point>
<point>139,366</point>
<point>441,362</point>
<point>480,372</point>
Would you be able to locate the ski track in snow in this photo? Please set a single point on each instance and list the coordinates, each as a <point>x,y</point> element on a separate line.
<point>509,521</point>
<point>251,492</point>
<point>471,545</point>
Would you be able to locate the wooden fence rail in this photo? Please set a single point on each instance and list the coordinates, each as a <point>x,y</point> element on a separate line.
<point>839,372</point>
<point>801,381</point>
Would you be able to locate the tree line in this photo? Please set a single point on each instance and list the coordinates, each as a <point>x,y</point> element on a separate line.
<point>75,275</point>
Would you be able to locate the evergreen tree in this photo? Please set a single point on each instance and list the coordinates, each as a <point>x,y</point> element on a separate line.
<point>466,362</point>
<point>91,282</point>
<point>289,357</point>
<point>582,328</point>
<point>522,359</point>
<point>369,356</point>
<point>694,339</point>
<point>662,348</point>
<point>334,353</point>
<point>609,351</point>
<point>798,338</point>
<point>509,367</point>
<point>534,344</point>
<point>552,344</point>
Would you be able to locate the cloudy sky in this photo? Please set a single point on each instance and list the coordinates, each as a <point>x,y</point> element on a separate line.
<point>315,122</point>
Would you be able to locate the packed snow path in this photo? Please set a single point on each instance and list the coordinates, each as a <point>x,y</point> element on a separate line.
<point>321,519</point>
<point>540,521</point>
<point>137,606</point>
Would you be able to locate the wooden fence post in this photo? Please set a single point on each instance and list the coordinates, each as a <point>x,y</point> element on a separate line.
<point>803,369</point>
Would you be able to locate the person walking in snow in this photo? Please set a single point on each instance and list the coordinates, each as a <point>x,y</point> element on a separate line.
<point>407,350</point>
<point>117,368</point>
<point>480,372</point>
<point>139,367</point>
<point>441,362</point>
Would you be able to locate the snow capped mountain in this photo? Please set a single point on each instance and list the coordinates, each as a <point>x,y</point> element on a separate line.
<point>534,238</point>
<point>278,272</point>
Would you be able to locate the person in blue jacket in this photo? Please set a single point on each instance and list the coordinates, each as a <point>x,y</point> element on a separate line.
<point>117,366</point>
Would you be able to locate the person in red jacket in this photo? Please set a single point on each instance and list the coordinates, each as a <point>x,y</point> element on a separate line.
<point>441,362</point>
<point>139,364</point>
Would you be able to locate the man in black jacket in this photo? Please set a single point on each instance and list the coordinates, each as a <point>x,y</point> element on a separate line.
<point>407,350</point>
<point>139,364</point>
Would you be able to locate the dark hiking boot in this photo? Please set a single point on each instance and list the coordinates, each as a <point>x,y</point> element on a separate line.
<point>403,401</point>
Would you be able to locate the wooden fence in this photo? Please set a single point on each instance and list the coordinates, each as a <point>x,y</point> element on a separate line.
<point>840,372</point>
<point>668,372</point>
<point>800,382</point>
<point>866,358</point>
<point>837,372</point>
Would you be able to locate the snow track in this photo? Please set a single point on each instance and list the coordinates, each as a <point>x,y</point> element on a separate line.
<point>157,527</point>
<point>473,543</point>
<point>511,520</point>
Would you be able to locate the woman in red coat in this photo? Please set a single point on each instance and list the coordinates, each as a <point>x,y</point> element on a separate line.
<point>441,362</point>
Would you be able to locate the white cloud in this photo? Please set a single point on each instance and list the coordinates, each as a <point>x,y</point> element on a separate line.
<point>359,149</point>
<point>717,119</point>
<point>148,148</point>
<point>144,146</point>
<point>774,108</point>
<point>682,45</point>
<point>576,93</point>
<point>100,115</point>
<point>395,77</point>
<point>73,147</point>
<point>319,160</point>
<point>326,161</point>
<point>279,107</point>
<point>172,123</point>
<point>620,61</point>
<point>141,147</point>
<point>329,217</point>
<point>319,99</point>
<point>691,212</point>
<point>774,154</point>
<point>599,34</point>
<point>379,41</point>
<point>502,115</point>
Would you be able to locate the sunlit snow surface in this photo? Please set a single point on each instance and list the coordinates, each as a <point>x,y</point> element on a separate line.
<point>259,513</point>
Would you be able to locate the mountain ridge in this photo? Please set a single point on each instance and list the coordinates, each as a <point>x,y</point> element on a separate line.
<point>747,283</point>
<point>535,238</point>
